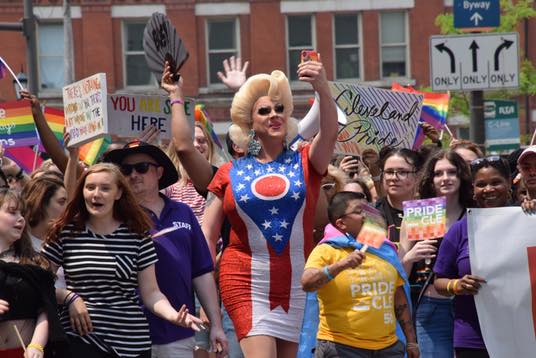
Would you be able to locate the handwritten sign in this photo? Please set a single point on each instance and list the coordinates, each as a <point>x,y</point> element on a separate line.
<point>375,118</point>
<point>84,104</point>
<point>425,218</point>
<point>129,115</point>
<point>373,232</point>
<point>17,127</point>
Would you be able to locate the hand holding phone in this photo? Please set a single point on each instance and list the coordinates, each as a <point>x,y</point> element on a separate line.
<point>309,55</point>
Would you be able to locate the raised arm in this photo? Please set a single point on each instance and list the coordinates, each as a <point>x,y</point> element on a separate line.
<point>198,168</point>
<point>324,142</point>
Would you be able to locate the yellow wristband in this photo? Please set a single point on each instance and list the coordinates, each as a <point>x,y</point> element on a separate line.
<point>36,346</point>
<point>454,287</point>
<point>448,286</point>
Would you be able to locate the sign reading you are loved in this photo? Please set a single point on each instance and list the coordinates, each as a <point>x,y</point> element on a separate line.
<point>130,115</point>
<point>85,108</point>
<point>375,117</point>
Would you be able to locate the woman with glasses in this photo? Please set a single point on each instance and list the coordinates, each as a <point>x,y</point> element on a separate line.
<point>445,174</point>
<point>108,260</point>
<point>270,198</point>
<point>400,169</point>
<point>491,188</point>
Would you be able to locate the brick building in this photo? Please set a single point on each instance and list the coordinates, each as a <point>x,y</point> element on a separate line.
<point>368,41</point>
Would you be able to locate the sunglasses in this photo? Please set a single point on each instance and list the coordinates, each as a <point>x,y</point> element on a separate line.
<point>480,162</point>
<point>278,108</point>
<point>141,168</point>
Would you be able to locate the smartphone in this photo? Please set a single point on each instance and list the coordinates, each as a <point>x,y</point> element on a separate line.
<point>309,55</point>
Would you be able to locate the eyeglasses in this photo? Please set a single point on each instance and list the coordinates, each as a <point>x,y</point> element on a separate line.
<point>402,174</point>
<point>141,168</point>
<point>278,108</point>
<point>356,211</point>
<point>493,161</point>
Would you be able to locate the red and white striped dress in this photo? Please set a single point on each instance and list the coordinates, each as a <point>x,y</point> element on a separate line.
<point>271,209</point>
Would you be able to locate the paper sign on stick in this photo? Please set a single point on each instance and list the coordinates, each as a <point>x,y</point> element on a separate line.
<point>85,107</point>
<point>129,115</point>
<point>425,218</point>
<point>17,127</point>
<point>375,118</point>
<point>373,232</point>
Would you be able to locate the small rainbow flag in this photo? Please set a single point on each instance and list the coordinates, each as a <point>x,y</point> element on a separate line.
<point>25,157</point>
<point>17,127</point>
<point>89,152</point>
<point>201,116</point>
<point>435,107</point>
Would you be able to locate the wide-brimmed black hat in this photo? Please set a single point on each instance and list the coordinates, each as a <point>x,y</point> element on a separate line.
<point>169,177</point>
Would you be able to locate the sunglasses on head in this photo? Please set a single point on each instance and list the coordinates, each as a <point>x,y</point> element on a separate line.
<point>265,110</point>
<point>141,168</point>
<point>479,162</point>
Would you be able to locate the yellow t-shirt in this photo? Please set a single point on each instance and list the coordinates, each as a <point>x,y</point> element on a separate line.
<point>357,306</point>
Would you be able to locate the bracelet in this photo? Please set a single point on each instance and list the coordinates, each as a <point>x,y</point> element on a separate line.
<point>326,272</point>
<point>176,101</point>
<point>448,287</point>
<point>36,346</point>
<point>67,298</point>
<point>454,284</point>
<point>73,298</point>
<point>412,345</point>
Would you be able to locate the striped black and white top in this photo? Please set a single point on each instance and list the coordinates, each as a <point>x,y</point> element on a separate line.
<point>103,270</point>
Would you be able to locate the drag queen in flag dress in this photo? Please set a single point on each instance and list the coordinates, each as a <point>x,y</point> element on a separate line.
<point>269,197</point>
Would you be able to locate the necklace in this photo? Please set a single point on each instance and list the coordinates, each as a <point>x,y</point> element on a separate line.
<point>8,252</point>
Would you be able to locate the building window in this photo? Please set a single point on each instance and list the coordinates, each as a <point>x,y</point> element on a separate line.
<point>50,46</point>
<point>394,44</point>
<point>300,36</point>
<point>136,72</point>
<point>347,56</point>
<point>222,42</point>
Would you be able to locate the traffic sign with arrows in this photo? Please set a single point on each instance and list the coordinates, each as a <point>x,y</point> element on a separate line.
<point>474,62</point>
<point>475,15</point>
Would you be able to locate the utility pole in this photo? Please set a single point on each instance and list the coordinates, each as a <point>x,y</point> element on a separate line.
<point>27,27</point>
<point>68,65</point>
<point>477,128</point>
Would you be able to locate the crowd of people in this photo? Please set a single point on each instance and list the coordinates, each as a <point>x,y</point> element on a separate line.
<point>161,250</point>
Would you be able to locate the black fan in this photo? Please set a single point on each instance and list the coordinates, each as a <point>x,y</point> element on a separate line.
<point>162,43</point>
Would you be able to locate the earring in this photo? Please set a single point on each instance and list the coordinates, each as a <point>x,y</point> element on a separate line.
<point>254,147</point>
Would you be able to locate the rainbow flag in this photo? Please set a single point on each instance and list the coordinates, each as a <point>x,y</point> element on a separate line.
<point>17,127</point>
<point>435,107</point>
<point>25,157</point>
<point>201,116</point>
<point>89,152</point>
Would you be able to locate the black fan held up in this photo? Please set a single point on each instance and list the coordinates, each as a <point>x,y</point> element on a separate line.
<point>162,43</point>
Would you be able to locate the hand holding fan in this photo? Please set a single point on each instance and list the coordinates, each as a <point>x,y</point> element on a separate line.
<point>161,43</point>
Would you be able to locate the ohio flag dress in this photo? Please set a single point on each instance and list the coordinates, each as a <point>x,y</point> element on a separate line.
<point>271,209</point>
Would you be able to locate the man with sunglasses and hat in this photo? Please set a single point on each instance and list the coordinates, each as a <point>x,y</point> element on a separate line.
<point>526,164</point>
<point>184,261</point>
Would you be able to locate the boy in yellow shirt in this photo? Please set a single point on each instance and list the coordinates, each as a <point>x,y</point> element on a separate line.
<point>360,299</point>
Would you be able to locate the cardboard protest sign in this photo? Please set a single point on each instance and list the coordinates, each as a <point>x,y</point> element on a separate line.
<point>17,127</point>
<point>375,118</point>
<point>502,250</point>
<point>129,115</point>
<point>85,107</point>
<point>425,218</point>
<point>373,232</point>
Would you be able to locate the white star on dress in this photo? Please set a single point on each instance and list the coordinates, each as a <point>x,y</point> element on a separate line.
<point>278,237</point>
<point>284,224</point>
<point>240,186</point>
<point>291,174</point>
<point>282,169</point>
<point>244,198</point>
<point>249,166</point>
<point>267,224</point>
<point>288,160</point>
<point>296,166</point>
<point>257,172</point>
<point>274,210</point>
<point>269,169</point>
<point>298,183</point>
<point>295,195</point>
<point>240,172</point>
<point>247,178</point>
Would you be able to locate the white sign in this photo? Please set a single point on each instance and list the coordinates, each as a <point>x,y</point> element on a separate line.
<point>502,250</point>
<point>474,62</point>
<point>129,115</point>
<point>84,104</point>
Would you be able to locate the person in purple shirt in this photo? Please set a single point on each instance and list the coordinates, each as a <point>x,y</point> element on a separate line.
<point>491,187</point>
<point>184,261</point>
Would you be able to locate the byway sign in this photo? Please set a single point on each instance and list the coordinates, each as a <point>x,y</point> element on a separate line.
<point>474,62</point>
<point>476,14</point>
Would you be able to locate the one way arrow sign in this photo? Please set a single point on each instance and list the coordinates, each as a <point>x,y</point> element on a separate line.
<point>476,15</point>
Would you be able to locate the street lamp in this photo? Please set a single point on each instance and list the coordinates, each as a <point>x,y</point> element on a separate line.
<point>21,76</point>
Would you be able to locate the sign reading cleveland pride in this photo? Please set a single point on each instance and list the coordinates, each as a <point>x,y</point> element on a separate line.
<point>375,117</point>
<point>85,108</point>
<point>476,15</point>
<point>129,115</point>
<point>17,127</point>
<point>474,62</point>
<point>502,125</point>
<point>502,250</point>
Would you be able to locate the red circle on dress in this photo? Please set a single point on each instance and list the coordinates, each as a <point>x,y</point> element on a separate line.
<point>270,187</point>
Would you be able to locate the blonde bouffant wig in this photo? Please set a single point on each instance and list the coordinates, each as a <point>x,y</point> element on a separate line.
<point>275,86</point>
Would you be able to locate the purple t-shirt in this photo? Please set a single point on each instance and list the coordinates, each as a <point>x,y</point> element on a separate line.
<point>453,262</point>
<point>183,255</point>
